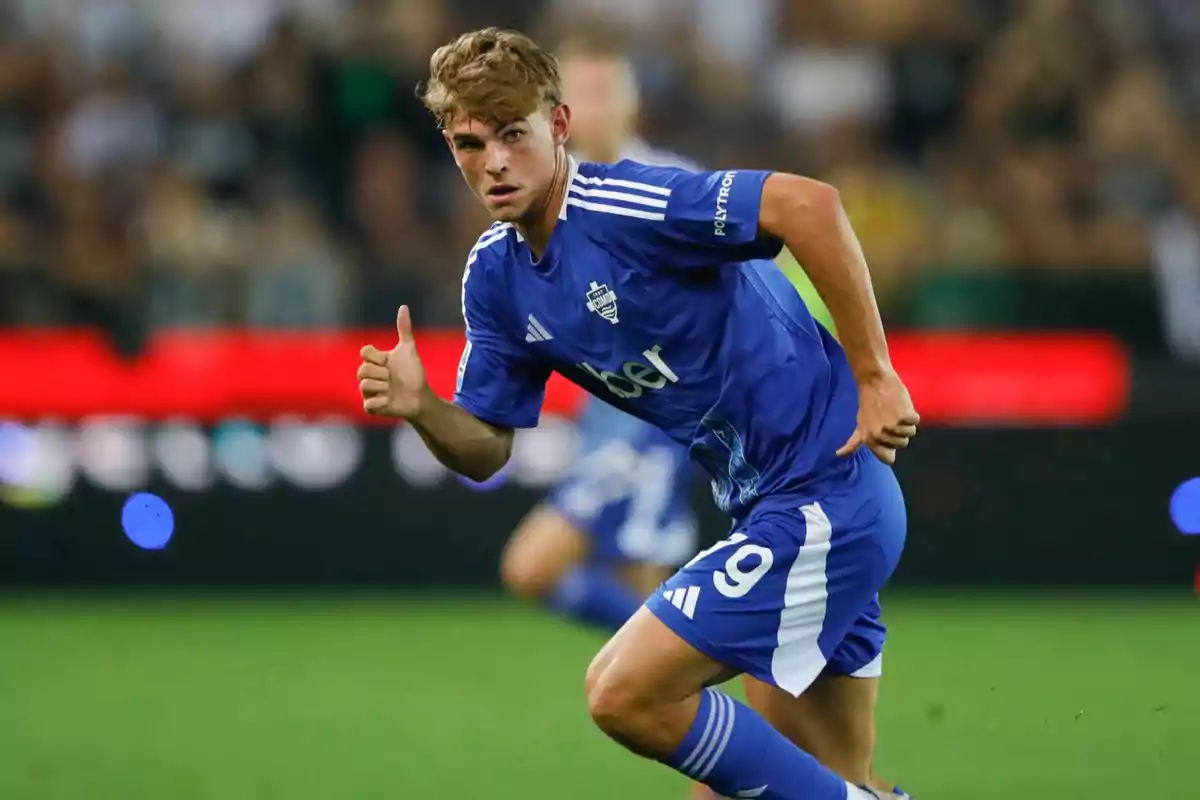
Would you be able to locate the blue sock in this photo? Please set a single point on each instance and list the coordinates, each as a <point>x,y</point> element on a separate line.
<point>589,593</point>
<point>736,753</point>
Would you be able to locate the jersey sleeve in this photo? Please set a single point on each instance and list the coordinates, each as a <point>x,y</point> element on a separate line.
<point>498,381</point>
<point>708,218</point>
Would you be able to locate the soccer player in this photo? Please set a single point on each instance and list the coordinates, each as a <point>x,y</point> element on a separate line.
<point>659,295</point>
<point>611,532</point>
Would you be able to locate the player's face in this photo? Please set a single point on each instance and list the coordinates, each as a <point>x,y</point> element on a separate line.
<point>510,168</point>
<point>601,93</point>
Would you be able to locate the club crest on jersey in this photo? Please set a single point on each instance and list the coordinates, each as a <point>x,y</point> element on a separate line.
<point>603,301</point>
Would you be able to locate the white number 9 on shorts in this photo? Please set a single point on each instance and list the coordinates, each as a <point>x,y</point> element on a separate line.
<point>735,581</point>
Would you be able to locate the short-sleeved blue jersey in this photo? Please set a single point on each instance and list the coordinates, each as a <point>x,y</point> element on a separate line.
<point>600,420</point>
<point>656,293</point>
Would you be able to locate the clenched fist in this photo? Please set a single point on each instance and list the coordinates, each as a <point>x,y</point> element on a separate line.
<point>393,383</point>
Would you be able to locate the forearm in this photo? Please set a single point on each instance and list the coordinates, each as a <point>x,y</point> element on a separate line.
<point>808,216</point>
<point>462,442</point>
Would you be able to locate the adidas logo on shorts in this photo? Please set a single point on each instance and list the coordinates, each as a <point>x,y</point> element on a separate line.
<point>684,599</point>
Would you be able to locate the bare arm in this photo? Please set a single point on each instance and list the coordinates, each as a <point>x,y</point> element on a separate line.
<point>808,216</point>
<point>461,441</point>
<point>393,384</point>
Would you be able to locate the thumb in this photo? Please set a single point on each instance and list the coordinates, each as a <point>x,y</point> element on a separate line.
<point>853,443</point>
<point>404,325</point>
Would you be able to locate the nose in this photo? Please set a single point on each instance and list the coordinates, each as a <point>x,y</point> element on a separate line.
<point>497,159</point>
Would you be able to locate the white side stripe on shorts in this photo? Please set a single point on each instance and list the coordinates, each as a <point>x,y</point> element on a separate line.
<point>717,730</point>
<point>798,659</point>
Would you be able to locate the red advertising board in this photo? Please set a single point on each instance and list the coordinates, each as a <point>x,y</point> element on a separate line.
<point>1017,379</point>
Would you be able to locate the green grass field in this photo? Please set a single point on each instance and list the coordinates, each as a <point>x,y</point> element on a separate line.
<point>335,698</point>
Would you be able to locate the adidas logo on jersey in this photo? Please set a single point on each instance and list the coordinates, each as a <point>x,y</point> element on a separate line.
<point>536,332</point>
<point>684,598</point>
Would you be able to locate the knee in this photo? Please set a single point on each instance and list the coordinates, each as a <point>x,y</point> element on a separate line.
<point>524,576</point>
<point>614,701</point>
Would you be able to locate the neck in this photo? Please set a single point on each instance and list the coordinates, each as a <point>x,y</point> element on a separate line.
<point>602,155</point>
<point>542,217</point>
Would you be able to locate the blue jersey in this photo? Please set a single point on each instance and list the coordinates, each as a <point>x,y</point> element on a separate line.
<point>597,421</point>
<point>630,489</point>
<point>657,294</point>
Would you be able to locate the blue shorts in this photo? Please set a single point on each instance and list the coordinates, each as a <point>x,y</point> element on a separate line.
<point>794,591</point>
<point>630,491</point>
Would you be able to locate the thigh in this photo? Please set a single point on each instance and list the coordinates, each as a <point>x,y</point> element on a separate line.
<point>651,660</point>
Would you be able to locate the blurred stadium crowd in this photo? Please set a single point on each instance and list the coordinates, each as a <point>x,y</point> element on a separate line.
<point>265,162</point>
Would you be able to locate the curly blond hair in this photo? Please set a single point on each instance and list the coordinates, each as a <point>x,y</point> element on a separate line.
<point>492,75</point>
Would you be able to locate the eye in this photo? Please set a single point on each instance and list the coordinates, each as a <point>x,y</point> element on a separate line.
<point>513,136</point>
<point>470,145</point>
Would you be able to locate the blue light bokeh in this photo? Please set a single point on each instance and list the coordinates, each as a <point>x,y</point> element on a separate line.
<point>1185,507</point>
<point>14,445</point>
<point>148,521</point>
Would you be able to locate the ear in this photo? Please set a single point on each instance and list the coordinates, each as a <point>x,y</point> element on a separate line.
<point>560,124</point>
<point>446,138</point>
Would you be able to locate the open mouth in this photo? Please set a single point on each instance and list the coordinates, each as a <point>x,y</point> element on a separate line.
<point>501,192</point>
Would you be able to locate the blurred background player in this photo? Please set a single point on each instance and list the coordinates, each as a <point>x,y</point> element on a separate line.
<point>621,520</point>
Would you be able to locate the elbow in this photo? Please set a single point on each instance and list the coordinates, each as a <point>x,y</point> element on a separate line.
<point>795,207</point>
<point>815,203</point>
<point>481,472</point>
<point>497,457</point>
<point>826,201</point>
